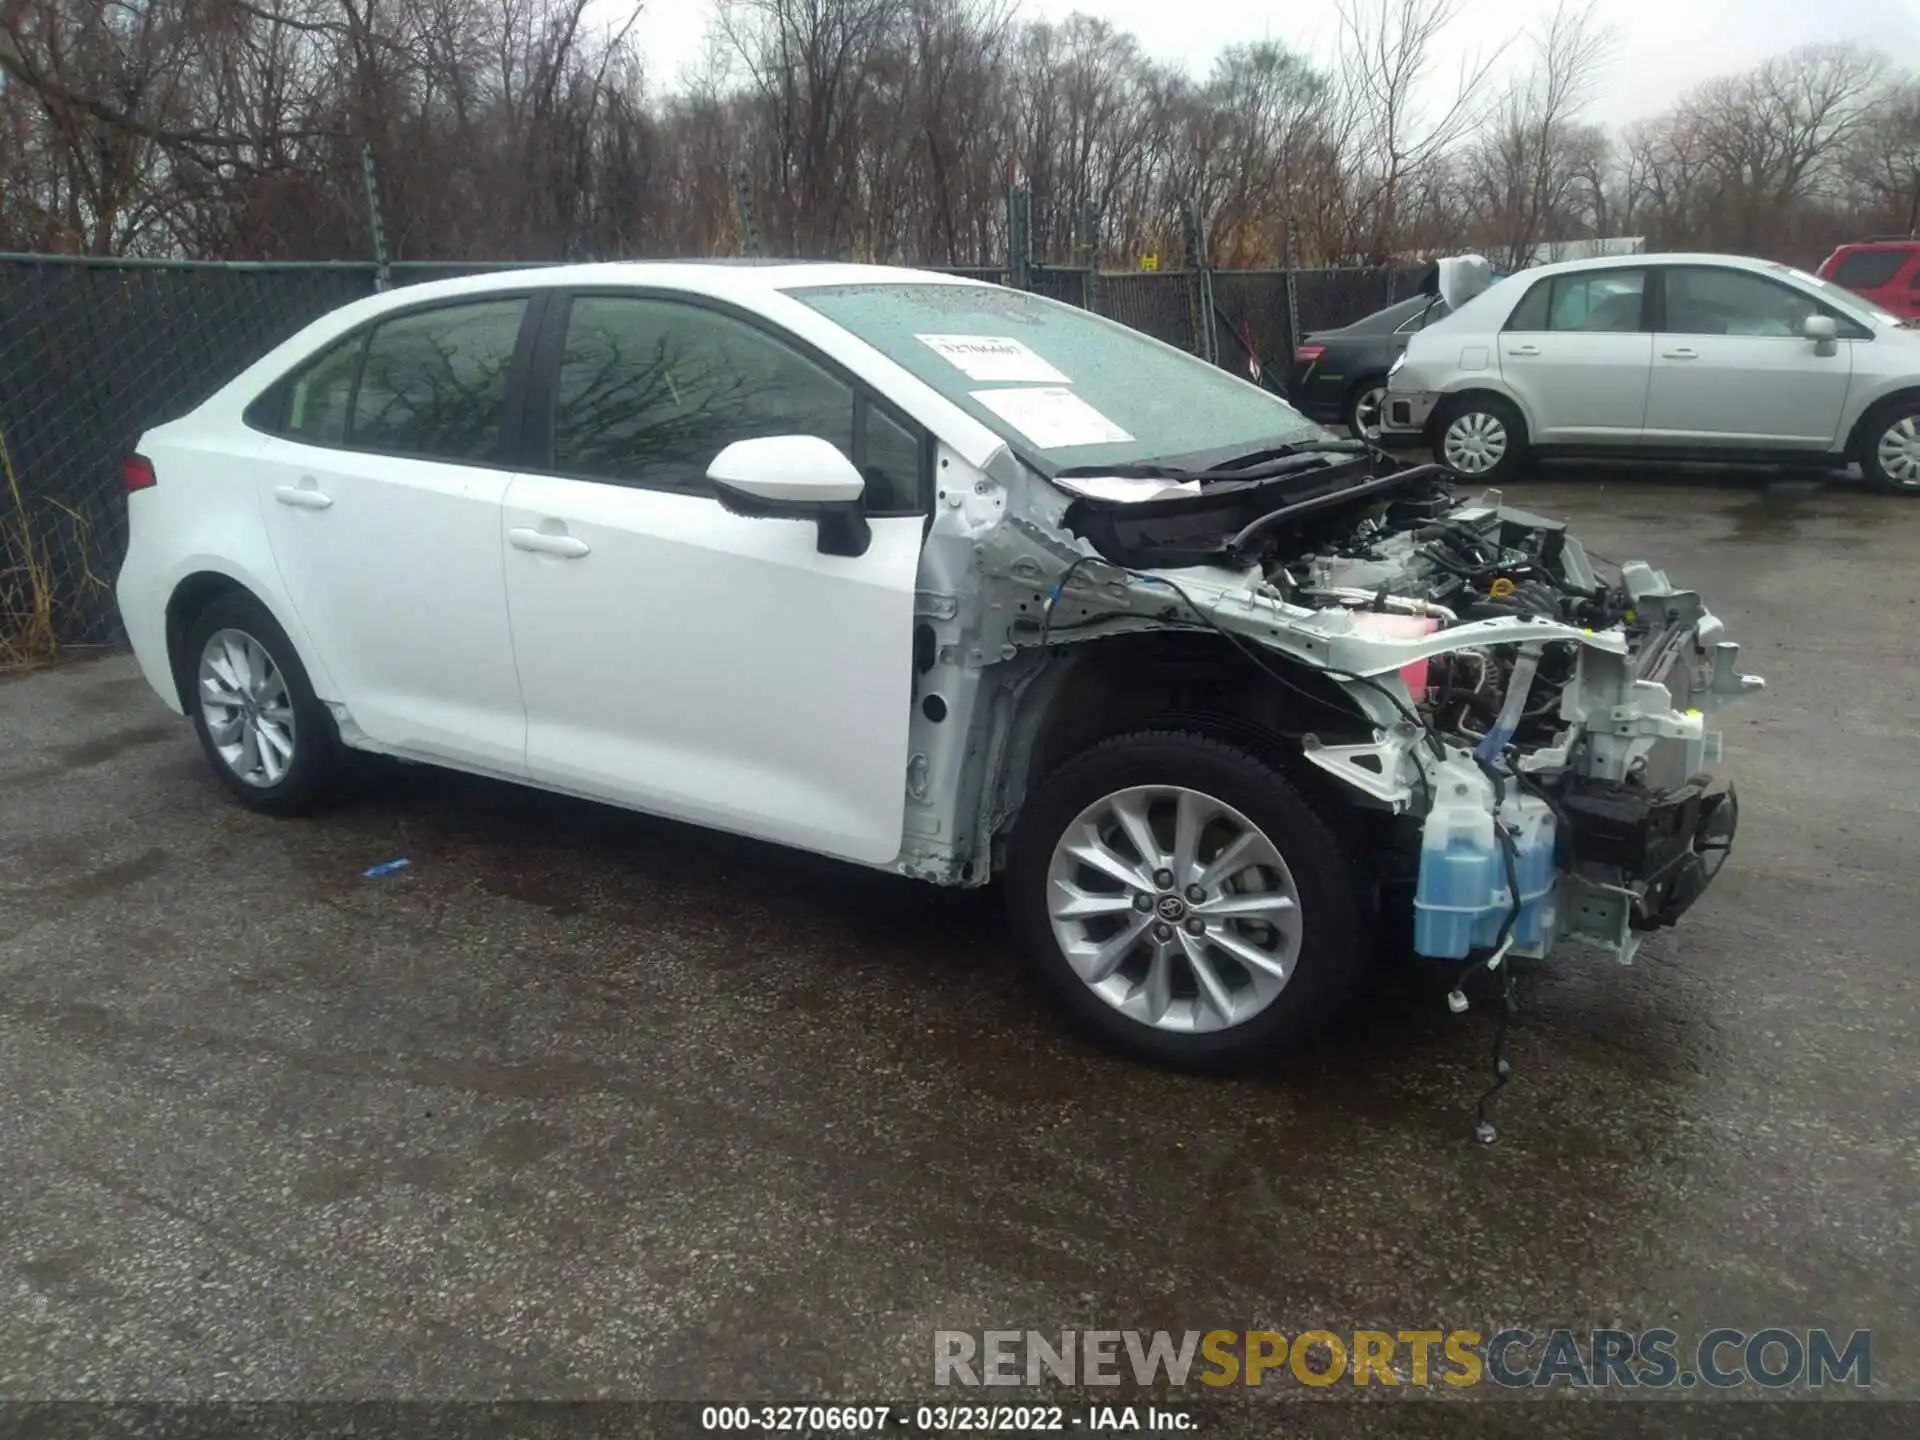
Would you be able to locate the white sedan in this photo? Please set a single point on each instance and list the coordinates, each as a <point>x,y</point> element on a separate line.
<point>945,579</point>
<point>1686,357</point>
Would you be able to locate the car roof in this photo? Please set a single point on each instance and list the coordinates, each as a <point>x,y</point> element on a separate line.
<point>1632,262</point>
<point>723,278</point>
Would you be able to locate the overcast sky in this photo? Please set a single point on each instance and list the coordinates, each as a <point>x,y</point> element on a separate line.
<point>1663,47</point>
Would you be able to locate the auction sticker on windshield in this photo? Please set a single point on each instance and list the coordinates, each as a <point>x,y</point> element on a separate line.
<point>993,357</point>
<point>1053,419</point>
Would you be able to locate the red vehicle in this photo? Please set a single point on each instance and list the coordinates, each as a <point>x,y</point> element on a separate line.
<point>1885,271</point>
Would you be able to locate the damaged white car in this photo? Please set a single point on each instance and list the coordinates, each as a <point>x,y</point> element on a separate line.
<point>944,579</point>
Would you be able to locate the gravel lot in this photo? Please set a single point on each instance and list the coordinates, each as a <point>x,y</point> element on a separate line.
<point>586,1104</point>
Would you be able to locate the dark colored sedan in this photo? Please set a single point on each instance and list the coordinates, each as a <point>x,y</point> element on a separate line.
<point>1339,376</point>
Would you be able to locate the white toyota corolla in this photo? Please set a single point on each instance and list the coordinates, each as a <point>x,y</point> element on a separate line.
<point>949,580</point>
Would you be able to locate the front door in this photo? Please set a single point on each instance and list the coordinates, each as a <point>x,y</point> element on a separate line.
<point>385,526</point>
<point>1733,368</point>
<point>1578,356</point>
<point>685,660</point>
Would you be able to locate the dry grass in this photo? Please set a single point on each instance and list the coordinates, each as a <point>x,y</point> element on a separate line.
<point>27,580</point>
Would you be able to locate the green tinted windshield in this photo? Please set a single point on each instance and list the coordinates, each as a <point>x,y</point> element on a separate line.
<point>1066,387</point>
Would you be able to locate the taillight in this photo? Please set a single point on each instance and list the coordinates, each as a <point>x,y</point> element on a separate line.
<point>136,472</point>
<point>1308,354</point>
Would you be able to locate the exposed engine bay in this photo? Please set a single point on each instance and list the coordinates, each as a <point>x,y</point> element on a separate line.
<point>1549,721</point>
<point>1534,720</point>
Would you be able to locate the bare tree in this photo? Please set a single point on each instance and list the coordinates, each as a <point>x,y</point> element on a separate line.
<point>1771,140</point>
<point>1882,163</point>
<point>890,129</point>
<point>1388,130</point>
<point>1525,164</point>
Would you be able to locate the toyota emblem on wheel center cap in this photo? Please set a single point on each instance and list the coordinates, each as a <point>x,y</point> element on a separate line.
<point>1170,907</point>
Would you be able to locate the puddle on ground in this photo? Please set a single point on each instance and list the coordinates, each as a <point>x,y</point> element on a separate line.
<point>1780,513</point>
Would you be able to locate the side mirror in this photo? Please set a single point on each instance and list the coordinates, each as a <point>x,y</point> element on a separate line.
<point>795,477</point>
<point>1823,332</point>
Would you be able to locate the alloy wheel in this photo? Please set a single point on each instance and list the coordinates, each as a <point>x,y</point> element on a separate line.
<point>1174,908</point>
<point>1475,442</point>
<point>247,709</point>
<point>1366,409</point>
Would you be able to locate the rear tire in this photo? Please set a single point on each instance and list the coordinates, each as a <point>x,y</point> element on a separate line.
<point>1481,438</point>
<point>266,734</point>
<point>1363,405</point>
<point>1242,932</point>
<point>1890,449</point>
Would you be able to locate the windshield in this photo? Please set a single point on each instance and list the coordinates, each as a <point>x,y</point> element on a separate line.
<point>1842,298</point>
<point>1064,386</point>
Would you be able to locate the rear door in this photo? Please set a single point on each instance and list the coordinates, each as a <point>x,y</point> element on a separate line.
<point>1577,352</point>
<point>381,491</point>
<point>1732,368</point>
<point>683,659</point>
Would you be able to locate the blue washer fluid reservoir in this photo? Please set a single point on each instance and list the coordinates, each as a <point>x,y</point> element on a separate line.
<point>1463,896</point>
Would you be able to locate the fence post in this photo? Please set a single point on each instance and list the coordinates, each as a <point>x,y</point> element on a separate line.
<point>1019,237</point>
<point>1199,288</point>
<point>1293,291</point>
<point>1089,257</point>
<point>376,225</point>
<point>743,196</point>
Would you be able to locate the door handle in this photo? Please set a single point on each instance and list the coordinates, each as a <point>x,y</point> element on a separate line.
<point>304,496</point>
<point>1524,350</point>
<point>1681,354</point>
<point>542,542</point>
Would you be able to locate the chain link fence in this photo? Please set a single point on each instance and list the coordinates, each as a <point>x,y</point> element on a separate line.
<point>94,352</point>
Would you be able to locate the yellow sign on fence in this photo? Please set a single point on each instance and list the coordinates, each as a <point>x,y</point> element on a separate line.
<point>1150,261</point>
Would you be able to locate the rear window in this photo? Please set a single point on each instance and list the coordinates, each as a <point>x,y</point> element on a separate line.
<point>1870,269</point>
<point>1592,301</point>
<point>434,383</point>
<point>1065,387</point>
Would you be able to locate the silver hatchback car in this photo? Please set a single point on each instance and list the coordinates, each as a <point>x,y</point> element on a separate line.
<point>1701,357</point>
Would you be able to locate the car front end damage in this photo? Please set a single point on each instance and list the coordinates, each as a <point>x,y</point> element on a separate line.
<point>1531,739</point>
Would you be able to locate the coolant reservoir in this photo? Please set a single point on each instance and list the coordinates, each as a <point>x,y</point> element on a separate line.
<point>1401,627</point>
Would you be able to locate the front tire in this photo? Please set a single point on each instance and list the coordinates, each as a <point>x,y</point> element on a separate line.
<point>1481,438</point>
<point>1890,449</point>
<point>265,733</point>
<point>1182,902</point>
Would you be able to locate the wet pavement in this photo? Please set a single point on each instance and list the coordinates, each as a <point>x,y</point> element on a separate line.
<point>586,1104</point>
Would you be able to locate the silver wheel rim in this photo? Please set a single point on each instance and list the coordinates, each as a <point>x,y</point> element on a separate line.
<point>1899,452</point>
<point>1366,409</point>
<point>1475,442</point>
<point>1174,908</point>
<point>249,714</point>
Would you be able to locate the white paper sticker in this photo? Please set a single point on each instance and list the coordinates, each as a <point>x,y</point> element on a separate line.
<point>1128,492</point>
<point>1053,419</point>
<point>993,357</point>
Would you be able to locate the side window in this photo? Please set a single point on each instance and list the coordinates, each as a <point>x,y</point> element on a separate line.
<point>1869,269</point>
<point>1703,301</point>
<point>317,397</point>
<point>649,391</point>
<point>434,383</point>
<point>890,459</point>
<point>1531,312</point>
<point>1603,301</point>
